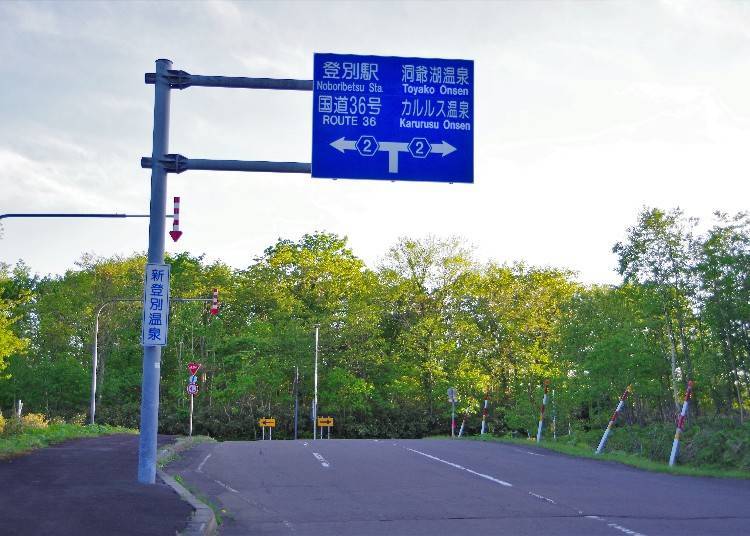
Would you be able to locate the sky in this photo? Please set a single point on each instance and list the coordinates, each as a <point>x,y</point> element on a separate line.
<point>585,112</point>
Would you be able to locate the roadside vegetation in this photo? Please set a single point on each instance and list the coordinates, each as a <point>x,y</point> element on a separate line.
<point>395,336</point>
<point>710,447</point>
<point>33,431</point>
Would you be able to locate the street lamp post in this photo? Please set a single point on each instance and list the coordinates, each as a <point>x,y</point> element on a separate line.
<point>95,353</point>
<point>315,395</point>
<point>296,399</point>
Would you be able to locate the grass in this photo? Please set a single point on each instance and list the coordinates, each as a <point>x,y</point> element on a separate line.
<point>619,457</point>
<point>182,443</point>
<point>218,512</point>
<point>35,438</point>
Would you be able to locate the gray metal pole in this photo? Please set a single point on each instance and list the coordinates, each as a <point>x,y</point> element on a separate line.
<point>296,400</point>
<point>156,234</point>
<point>453,418</point>
<point>94,365</point>
<point>95,354</point>
<point>315,396</point>
<point>190,430</point>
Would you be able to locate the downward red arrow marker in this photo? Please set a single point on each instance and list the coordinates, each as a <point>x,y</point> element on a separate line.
<point>175,233</point>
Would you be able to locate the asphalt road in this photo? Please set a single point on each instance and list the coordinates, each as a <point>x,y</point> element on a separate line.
<point>433,487</point>
<point>86,487</point>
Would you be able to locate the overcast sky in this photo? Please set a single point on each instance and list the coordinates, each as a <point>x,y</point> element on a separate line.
<point>584,113</point>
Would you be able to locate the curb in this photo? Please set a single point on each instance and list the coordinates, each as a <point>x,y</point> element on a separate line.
<point>203,520</point>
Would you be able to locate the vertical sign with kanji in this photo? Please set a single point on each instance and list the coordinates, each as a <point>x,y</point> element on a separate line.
<point>155,305</point>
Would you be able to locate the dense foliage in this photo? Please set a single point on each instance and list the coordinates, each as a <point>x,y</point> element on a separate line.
<point>394,338</point>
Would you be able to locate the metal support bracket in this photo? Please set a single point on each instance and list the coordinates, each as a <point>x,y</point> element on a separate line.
<point>176,163</point>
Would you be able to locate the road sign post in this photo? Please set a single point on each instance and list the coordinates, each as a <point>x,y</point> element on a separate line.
<point>192,390</point>
<point>267,423</point>
<point>325,422</point>
<point>156,236</point>
<point>392,118</point>
<point>452,397</point>
<point>446,100</point>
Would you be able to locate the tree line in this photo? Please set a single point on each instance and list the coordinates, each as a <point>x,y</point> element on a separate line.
<point>395,337</point>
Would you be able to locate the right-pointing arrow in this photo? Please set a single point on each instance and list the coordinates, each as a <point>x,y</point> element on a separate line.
<point>342,144</point>
<point>444,148</point>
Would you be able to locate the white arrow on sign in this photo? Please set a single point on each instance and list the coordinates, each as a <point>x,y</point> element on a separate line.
<point>342,144</point>
<point>444,148</point>
<point>392,148</point>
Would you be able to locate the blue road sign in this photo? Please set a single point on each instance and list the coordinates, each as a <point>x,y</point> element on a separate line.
<point>391,118</point>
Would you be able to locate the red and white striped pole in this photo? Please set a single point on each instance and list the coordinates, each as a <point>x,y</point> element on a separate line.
<point>541,413</point>
<point>681,424</point>
<point>612,420</point>
<point>175,233</point>
<point>215,302</point>
<point>484,412</point>
<point>463,423</point>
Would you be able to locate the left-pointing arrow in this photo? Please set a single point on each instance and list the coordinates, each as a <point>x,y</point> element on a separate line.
<point>342,144</point>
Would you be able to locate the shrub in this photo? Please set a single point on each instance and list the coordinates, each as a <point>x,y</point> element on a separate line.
<point>2,423</point>
<point>34,421</point>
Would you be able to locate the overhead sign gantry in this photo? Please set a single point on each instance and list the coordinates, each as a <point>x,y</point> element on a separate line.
<point>417,115</point>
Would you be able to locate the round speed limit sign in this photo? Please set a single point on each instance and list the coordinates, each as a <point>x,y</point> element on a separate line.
<point>192,388</point>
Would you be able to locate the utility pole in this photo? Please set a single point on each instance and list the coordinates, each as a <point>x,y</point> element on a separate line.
<point>315,395</point>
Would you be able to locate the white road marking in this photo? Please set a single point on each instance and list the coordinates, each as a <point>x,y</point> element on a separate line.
<point>321,459</point>
<point>529,452</point>
<point>542,497</point>
<point>625,530</point>
<point>200,467</point>
<point>615,526</point>
<point>482,475</point>
<point>305,444</point>
<point>227,486</point>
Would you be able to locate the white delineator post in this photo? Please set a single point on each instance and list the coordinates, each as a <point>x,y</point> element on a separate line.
<point>541,412</point>
<point>484,412</point>
<point>215,302</point>
<point>680,424</point>
<point>612,420</point>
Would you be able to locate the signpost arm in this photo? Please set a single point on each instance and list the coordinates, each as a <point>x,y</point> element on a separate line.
<point>156,237</point>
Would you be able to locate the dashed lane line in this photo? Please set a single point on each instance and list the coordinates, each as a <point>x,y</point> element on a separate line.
<point>226,486</point>
<point>461,467</point>
<point>615,526</point>
<point>542,497</point>
<point>200,466</point>
<point>321,459</point>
